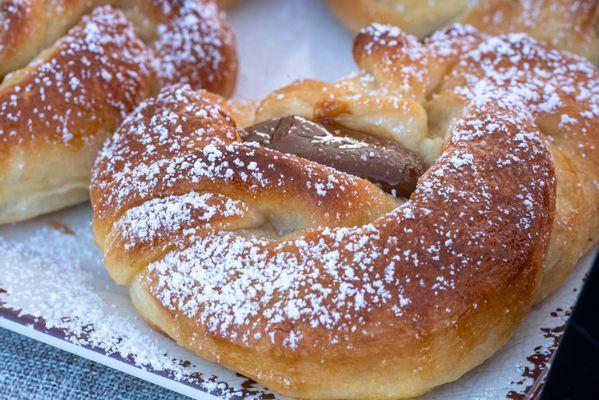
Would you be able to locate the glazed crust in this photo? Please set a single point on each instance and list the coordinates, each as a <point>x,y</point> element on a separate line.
<point>190,40</point>
<point>56,111</point>
<point>317,284</point>
<point>428,105</point>
<point>228,3</point>
<point>571,25</point>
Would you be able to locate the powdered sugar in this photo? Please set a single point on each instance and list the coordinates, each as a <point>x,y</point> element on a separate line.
<point>488,381</point>
<point>172,213</point>
<point>53,96</point>
<point>60,97</point>
<point>323,284</point>
<point>190,46</point>
<point>57,279</point>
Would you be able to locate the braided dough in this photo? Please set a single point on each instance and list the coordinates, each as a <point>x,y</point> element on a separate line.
<point>571,25</point>
<point>228,3</point>
<point>318,284</point>
<point>56,111</point>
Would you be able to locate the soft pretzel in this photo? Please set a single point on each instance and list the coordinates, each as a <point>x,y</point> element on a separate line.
<point>56,111</point>
<point>571,25</point>
<point>318,284</point>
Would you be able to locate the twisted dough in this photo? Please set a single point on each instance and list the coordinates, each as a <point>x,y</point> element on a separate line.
<point>429,94</point>
<point>571,25</point>
<point>316,283</point>
<point>56,111</point>
<point>190,40</point>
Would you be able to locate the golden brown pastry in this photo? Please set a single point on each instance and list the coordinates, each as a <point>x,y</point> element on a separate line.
<point>56,111</point>
<point>571,25</point>
<point>228,3</point>
<point>316,282</point>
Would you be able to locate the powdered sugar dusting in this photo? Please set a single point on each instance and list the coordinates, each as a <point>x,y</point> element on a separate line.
<point>487,381</point>
<point>495,176</point>
<point>333,278</point>
<point>191,40</point>
<point>180,139</point>
<point>51,97</point>
<point>59,95</point>
<point>66,271</point>
<point>171,214</point>
<point>190,48</point>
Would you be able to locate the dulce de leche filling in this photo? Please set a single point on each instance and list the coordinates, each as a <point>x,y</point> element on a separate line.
<point>384,162</point>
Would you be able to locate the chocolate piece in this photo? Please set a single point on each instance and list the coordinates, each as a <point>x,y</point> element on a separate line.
<point>383,162</point>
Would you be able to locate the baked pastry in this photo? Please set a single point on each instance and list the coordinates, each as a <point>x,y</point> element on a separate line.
<point>321,284</point>
<point>56,111</point>
<point>228,3</point>
<point>571,25</point>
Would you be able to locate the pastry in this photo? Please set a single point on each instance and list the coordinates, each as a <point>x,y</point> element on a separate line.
<point>571,25</point>
<point>271,248</point>
<point>228,3</point>
<point>67,92</point>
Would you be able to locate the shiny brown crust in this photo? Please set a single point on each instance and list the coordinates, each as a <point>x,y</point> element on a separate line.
<point>571,25</point>
<point>228,3</point>
<point>56,111</point>
<point>565,109</point>
<point>314,282</point>
<point>191,40</point>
